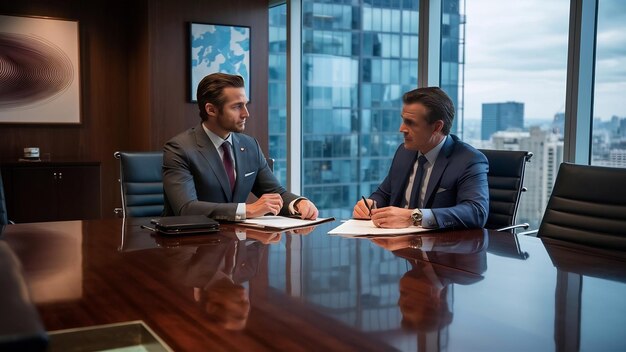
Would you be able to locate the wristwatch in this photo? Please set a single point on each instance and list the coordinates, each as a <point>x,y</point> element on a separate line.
<point>416,217</point>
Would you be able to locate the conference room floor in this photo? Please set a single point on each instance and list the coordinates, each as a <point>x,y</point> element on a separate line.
<point>244,289</point>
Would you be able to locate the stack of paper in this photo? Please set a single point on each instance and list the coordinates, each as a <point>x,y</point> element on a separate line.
<point>280,223</point>
<point>367,228</point>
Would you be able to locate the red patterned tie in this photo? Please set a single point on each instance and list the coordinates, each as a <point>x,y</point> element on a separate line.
<point>228,165</point>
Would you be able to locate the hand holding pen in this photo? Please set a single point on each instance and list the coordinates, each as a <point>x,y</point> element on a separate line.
<point>363,209</point>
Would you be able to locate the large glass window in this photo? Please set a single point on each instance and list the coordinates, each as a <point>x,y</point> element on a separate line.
<point>277,90</point>
<point>609,109</point>
<point>359,57</point>
<point>511,80</point>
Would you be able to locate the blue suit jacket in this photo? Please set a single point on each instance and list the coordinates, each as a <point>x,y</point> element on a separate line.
<point>457,192</point>
<point>195,182</point>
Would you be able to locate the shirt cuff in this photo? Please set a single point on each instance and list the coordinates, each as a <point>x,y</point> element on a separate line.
<point>240,213</point>
<point>292,209</point>
<point>428,219</point>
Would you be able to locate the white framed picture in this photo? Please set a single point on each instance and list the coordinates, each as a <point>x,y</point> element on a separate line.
<point>40,73</point>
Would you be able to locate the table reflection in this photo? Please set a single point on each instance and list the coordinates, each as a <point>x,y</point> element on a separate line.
<point>216,268</point>
<point>585,277</point>
<point>52,257</point>
<point>217,273</point>
<point>426,293</point>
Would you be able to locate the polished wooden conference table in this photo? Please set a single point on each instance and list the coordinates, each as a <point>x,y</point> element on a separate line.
<point>467,290</point>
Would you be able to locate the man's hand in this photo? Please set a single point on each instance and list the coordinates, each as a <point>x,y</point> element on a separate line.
<point>393,243</point>
<point>307,209</point>
<point>268,203</point>
<point>301,231</point>
<point>361,211</point>
<point>392,217</point>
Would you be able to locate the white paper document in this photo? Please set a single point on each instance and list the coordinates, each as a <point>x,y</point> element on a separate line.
<point>367,228</point>
<point>281,222</point>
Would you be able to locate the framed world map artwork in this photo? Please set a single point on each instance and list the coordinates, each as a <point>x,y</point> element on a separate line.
<point>219,48</point>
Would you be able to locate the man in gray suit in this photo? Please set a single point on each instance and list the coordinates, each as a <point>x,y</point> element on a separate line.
<point>435,180</point>
<point>212,168</point>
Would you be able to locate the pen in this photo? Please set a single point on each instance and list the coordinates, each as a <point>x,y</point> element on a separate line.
<point>367,205</point>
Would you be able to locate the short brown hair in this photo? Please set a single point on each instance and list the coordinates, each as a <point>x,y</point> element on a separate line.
<point>438,103</point>
<point>211,89</point>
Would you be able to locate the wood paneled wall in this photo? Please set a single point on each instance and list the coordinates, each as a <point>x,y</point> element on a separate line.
<point>169,46</point>
<point>135,78</point>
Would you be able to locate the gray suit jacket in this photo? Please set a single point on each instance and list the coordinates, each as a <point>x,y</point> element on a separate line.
<point>195,182</point>
<point>457,192</point>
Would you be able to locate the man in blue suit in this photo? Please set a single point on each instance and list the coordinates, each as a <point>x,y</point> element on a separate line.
<point>212,168</point>
<point>435,180</point>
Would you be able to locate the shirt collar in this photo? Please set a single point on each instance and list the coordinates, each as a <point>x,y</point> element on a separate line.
<point>432,155</point>
<point>217,140</point>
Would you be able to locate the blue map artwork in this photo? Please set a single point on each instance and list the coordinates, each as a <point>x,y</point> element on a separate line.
<point>216,48</point>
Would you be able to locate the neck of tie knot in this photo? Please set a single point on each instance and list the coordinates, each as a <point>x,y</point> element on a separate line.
<point>421,161</point>
<point>228,164</point>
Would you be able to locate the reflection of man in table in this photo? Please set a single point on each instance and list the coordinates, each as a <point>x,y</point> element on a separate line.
<point>436,262</point>
<point>219,272</point>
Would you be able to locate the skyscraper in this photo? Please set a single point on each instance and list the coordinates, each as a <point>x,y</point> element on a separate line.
<point>501,117</point>
<point>541,172</point>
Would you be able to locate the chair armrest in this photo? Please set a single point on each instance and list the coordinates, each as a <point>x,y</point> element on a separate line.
<point>516,226</point>
<point>532,233</point>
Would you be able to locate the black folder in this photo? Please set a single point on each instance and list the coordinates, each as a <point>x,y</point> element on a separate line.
<point>185,225</point>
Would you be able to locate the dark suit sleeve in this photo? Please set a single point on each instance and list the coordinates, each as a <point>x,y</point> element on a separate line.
<point>472,198</point>
<point>382,195</point>
<point>180,189</point>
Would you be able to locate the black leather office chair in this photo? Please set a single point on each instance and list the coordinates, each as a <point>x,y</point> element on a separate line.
<point>141,183</point>
<point>3,205</point>
<point>587,206</point>
<point>506,179</point>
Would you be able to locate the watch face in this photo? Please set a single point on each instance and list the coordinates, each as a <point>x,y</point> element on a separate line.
<point>417,217</point>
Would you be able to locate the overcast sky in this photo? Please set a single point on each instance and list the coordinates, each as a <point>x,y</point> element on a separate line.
<point>517,51</point>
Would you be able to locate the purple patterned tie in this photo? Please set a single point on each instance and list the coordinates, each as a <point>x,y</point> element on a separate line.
<point>228,165</point>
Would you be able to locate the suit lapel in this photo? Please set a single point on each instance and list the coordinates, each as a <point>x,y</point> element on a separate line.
<point>440,166</point>
<point>208,151</point>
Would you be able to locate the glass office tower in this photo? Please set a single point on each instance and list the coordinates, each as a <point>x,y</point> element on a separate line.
<point>501,117</point>
<point>277,90</point>
<point>358,58</point>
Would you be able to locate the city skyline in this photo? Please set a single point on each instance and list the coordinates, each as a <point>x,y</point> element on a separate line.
<point>525,59</point>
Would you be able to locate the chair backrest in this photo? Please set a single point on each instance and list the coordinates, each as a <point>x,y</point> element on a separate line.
<point>506,179</point>
<point>587,206</point>
<point>3,205</point>
<point>141,183</point>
